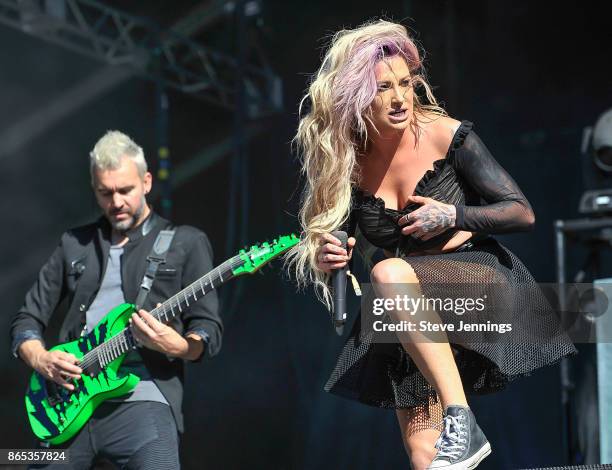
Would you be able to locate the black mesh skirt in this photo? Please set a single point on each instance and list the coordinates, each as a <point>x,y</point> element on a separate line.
<point>383,375</point>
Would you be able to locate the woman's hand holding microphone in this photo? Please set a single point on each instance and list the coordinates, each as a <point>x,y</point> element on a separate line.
<point>331,255</point>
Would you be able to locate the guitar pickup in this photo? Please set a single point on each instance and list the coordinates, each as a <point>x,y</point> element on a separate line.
<point>92,369</point>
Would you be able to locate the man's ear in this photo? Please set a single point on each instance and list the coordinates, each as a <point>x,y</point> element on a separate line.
<point>148,182</point>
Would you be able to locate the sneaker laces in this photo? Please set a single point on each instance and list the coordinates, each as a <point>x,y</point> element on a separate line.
<point>451,442</point>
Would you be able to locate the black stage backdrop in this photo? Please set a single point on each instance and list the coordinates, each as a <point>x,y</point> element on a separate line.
<point>530,75</point>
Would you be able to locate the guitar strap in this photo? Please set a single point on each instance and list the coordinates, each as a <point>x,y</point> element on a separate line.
<point>155,258</point>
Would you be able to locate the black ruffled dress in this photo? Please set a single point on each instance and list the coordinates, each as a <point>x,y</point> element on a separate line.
<point>488,201</point>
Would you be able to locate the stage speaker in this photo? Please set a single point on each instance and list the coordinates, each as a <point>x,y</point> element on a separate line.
<point>603,328</point>
<point>591,413</point>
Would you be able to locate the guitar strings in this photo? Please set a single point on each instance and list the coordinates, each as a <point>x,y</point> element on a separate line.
<point>107,348</point>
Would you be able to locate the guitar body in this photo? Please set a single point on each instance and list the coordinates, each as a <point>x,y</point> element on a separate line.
<point>56,414</point>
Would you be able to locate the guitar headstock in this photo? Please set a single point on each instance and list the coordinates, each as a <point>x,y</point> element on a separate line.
<point>259,255</point>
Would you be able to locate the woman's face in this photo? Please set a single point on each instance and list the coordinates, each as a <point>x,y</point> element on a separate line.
<point>392,107</point>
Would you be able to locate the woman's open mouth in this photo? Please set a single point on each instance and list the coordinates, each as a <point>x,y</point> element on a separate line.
<point>398,115</point>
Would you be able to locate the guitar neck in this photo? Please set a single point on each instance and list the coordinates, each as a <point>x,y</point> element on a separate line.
<point>190,294</point>
<point>122,342</point>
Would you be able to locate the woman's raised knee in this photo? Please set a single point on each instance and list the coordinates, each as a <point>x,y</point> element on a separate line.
<point>393,270</point>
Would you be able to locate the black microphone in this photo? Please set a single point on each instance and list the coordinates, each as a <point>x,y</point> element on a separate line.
<point>339,286</point>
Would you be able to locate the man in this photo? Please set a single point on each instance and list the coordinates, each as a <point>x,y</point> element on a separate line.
<point>99,266</point>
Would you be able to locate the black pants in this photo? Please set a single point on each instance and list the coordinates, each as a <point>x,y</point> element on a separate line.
<point>132,435</point>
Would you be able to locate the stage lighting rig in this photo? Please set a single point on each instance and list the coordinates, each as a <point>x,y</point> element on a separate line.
<point>597,167</point>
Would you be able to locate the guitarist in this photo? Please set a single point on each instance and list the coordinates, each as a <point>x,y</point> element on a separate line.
<point>99,266</point>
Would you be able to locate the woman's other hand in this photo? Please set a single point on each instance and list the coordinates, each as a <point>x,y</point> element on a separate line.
<point>429,220</point>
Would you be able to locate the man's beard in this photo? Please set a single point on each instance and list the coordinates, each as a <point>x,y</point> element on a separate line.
<point>127,224</point>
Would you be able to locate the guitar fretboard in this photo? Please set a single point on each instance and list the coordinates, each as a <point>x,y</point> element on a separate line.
<point>123,341</point>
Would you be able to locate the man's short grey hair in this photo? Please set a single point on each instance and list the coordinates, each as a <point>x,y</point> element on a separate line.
<point>108,151</point>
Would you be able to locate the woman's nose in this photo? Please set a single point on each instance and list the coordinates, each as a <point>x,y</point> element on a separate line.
<point>398,94</point>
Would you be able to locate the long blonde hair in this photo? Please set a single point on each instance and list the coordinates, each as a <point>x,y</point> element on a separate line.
<point>333,132</point>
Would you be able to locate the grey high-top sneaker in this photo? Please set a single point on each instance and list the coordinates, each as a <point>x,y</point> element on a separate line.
<point>462,444</point>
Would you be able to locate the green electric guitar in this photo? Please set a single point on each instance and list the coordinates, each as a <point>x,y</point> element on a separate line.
<point>57,414</point>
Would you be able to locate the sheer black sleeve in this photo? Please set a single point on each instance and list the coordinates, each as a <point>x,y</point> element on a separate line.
<point>507,209</point>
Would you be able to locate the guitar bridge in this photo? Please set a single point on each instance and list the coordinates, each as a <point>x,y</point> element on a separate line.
<point>53,394</point>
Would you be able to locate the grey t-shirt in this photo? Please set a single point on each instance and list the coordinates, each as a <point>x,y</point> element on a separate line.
<point>109,296</point>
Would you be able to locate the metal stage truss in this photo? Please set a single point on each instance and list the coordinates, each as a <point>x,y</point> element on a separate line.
<point>117,38</point>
